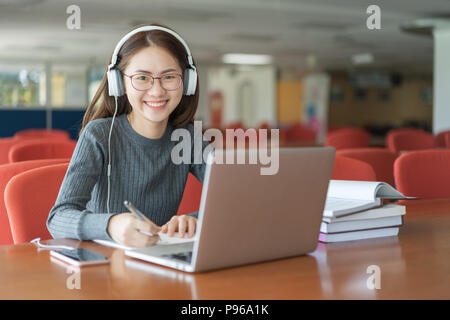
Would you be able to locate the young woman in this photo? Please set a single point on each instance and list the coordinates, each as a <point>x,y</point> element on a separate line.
<point>137,143</point>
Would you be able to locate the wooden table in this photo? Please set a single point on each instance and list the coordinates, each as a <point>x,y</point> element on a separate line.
<point>414,265</point>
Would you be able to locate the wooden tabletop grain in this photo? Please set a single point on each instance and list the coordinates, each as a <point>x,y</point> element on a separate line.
<point>414,265</point>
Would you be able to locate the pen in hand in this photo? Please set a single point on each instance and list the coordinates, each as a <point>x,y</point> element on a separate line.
<point>138,214</point>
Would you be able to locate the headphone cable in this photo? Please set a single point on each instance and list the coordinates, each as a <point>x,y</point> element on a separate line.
<point>109,156</point>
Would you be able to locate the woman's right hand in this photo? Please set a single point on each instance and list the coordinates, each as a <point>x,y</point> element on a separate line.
<point>124,229</point>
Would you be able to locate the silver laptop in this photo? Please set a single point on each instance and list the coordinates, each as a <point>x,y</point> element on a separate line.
<point>246,217</point>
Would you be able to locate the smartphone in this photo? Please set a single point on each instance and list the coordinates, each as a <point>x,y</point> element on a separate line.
<point>79,257</point>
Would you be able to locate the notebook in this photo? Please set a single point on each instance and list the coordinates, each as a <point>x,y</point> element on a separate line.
<point>164,239</point>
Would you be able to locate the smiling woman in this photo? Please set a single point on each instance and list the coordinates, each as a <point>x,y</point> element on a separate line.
<point>102,105</point>
<point>150,88</point>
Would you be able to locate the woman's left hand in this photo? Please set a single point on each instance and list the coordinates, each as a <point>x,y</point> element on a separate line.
<point>182,224</point>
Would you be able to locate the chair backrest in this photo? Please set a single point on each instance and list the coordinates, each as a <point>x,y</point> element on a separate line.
<point>236,125</point>
<point>33,150</point>
<point>264,125</point>
<point>7,143</point>
<point>447,140</point>
<point>297,132</point>
<point>424,174</point>
<point>335,128</point>
<point>352,169</point>
<point>381,159</point>
<point>5,146</point>
<point>42,133</point>
<point>440,138</point>
<point>7,172</point>
<point>191,196</point>
<point>408,139</point>
<point>29,197</point>
<point>348,138</point>
<point>388,142</point>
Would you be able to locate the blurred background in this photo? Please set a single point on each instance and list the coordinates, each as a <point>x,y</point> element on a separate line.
<point>316,65</point>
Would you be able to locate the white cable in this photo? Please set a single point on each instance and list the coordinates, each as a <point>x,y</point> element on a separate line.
<point>46,246</point>
<point>109,156</point>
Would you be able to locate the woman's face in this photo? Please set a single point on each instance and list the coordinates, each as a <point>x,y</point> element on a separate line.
<point>154,105</point>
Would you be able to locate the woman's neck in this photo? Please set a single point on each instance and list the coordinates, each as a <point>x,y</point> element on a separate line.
<point>146,128</point>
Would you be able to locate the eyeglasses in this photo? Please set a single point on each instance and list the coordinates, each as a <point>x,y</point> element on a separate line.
<point>143,82</point>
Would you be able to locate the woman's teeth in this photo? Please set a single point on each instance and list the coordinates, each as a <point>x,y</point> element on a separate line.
<point>155,105</point>
<point>158,104</point>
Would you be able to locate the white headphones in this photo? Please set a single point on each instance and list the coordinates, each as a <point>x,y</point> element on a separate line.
<point>115,84</point>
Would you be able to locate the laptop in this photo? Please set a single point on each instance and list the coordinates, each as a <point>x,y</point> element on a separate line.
<point>246,217</point>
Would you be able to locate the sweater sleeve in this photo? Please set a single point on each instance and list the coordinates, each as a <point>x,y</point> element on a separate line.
<point>69,217</point>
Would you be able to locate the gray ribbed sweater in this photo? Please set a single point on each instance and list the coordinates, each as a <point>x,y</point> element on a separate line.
<point>142,172</point>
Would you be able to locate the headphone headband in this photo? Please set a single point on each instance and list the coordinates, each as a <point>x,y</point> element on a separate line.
<point>144,29</point>
<point>115,85</point>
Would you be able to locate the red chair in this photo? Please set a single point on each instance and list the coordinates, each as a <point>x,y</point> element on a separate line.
<point>297,132</point>
<point>29,197</point>
<point>191,196</point>
<point>408,139</point>
<point>42,133</point>
<point>7,143</point>
<point>33,150</point>
<point>424,174</point>
<point>7,172</point>
<point>235,125</point>
<point>381,160</point>
<point>352,169</point>
<point>348,138</point>
<point>264,125</point>
<point>336,128</point>
<point>447,140</point>
<point>5,146</point>
<point>440,138</point>
<point>388,139</point>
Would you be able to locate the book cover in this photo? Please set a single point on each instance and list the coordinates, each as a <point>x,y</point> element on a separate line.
<point>346,226</point>
<point>358,235</point>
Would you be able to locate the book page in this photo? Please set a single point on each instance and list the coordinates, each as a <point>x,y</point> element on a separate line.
<point>358,190</point>
<point>336,207</point>
<point>385,191</point>
<point>363,190</point>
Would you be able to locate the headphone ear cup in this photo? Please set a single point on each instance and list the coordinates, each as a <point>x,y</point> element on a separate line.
<point>189,82</point>
<point>115,84</point>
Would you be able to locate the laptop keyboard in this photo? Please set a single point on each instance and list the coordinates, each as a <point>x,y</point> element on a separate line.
<point>182,256</point>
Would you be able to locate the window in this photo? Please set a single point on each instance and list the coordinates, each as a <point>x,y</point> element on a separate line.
<point>22,85</point>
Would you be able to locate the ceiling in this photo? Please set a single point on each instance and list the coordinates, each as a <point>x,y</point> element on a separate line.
<point>291,30</point>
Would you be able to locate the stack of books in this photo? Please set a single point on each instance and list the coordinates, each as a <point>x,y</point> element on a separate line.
<point>354,210</point>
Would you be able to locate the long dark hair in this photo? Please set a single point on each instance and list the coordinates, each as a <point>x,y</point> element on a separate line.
<point>103,105</point>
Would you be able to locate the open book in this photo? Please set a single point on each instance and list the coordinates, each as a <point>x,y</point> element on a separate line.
<point>164,239</point>
<point>347,197</point>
